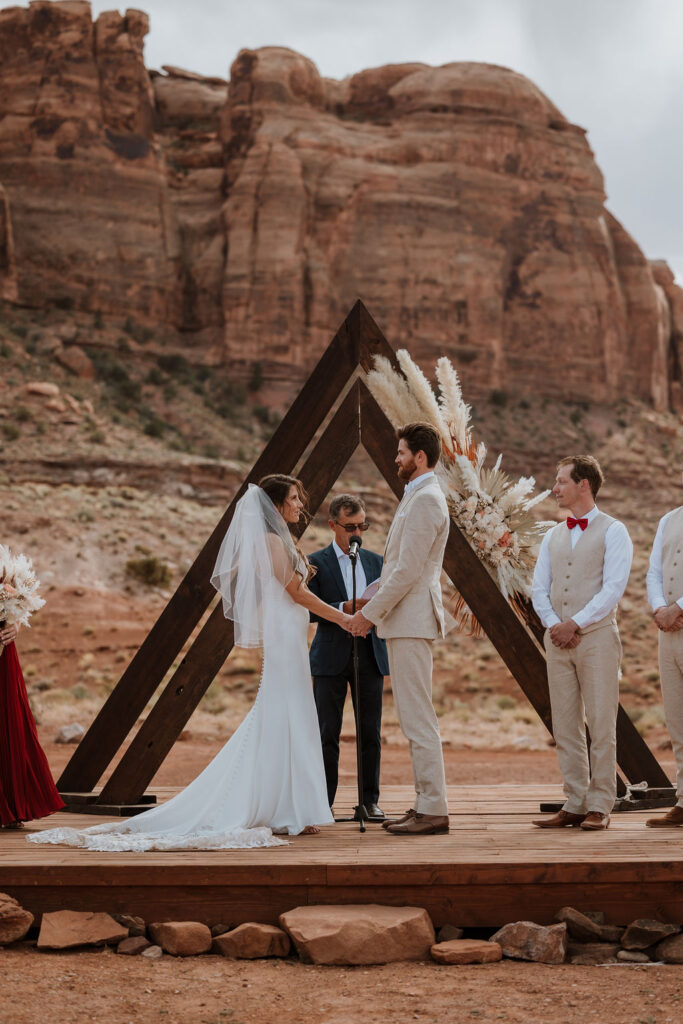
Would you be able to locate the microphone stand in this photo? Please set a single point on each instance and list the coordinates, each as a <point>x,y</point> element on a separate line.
<point>360,814</point>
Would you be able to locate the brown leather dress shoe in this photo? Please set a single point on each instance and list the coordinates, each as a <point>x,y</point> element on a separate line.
<point>563,819</point>
<point>421,825</point>
<point>399,821</point>
<point>672,819</point>
<point>594,821</point>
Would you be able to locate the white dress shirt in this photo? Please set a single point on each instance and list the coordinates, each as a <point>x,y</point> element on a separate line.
<point>347,573</point>
<point>655,576</point>
<point>618,558</point>
<point>418,480</point>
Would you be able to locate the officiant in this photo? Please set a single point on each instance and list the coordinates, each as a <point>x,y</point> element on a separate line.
<point>332,650</point>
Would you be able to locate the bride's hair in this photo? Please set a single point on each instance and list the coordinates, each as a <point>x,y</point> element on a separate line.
<point>277,486</point>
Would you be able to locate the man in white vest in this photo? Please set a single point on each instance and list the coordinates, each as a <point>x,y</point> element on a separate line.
<point>581,574</point>
<point>665,594</point>
<point>409,614</point>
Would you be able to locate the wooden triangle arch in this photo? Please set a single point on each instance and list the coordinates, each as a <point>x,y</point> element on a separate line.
<point>358,420</point>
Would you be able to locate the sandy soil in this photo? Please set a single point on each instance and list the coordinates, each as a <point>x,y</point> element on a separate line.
<point>102,988</point>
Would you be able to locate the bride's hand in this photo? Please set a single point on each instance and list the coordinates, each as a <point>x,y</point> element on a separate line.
<point>346,622</point>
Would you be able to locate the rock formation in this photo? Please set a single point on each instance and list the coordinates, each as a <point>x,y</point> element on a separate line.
<point>457,202</point>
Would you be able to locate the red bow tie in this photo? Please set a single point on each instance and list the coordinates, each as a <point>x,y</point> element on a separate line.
<point>571,523</point>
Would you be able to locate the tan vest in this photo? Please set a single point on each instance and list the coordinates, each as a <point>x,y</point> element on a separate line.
<point>672,556</point>
<point>577,574</point>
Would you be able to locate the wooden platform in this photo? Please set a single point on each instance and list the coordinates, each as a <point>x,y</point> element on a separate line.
<point>493,867</point>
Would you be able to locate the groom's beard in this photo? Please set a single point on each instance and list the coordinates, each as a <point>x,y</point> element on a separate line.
<point>405,472</point>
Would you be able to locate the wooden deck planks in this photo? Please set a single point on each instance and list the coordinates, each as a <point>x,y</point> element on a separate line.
<point>492,867</point>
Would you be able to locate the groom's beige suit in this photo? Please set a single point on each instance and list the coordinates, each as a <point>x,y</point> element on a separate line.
<point>409,614</point>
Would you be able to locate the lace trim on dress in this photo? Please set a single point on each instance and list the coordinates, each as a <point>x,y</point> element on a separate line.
<point>115,842</point>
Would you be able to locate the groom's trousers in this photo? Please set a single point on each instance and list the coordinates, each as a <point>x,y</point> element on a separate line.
<point>410,665</point>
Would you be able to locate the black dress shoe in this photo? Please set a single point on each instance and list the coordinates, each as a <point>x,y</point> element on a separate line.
<point>374,813</point>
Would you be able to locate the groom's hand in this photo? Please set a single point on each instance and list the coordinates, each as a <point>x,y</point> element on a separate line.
<point>348,605</point>
<point>359,625</point>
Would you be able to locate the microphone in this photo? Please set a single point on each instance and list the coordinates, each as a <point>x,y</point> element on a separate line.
<point>355,543</point>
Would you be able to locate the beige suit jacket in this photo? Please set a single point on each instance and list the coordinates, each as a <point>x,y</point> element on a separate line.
<point>409,601</point>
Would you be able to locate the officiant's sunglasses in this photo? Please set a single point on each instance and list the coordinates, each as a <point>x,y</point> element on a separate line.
<point>352,527</point>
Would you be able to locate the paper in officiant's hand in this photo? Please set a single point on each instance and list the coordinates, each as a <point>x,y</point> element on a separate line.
<point>370,590</point>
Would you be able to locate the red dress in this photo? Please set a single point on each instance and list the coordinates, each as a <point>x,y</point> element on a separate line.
<point>26,787</point>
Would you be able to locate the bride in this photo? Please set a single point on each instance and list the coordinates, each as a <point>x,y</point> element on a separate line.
<point>269,777</point>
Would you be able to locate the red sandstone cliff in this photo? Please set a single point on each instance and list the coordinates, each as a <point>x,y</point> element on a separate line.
<point>458,202</point>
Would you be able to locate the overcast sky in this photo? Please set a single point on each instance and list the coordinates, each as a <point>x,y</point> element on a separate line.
<point>614,67</point>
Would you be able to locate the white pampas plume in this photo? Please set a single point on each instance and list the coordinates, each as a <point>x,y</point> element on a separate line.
<point>422,390</point>
<point>455,412</point>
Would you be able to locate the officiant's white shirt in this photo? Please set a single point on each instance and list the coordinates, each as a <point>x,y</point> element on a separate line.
<point>617,567</point>
<point>347,573</point>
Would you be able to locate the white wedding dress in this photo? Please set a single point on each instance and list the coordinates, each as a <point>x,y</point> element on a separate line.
<point>269,777</point>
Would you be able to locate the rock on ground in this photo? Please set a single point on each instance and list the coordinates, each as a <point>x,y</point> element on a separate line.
<point>646,932</point>
<point>72,733</point>
<point>133,946</point>
<point>670,950</point>
<point>448,932</point>
<point>152,953</point>
<point>65,929</point>
<point>181,938</point>
<point>592,953</point>
<point>579,926</point>
<point>632,956</point>
<point>251,941</point>
<point>367,934</point>
<point>14,920</point>
<point>466,951</point>
<point>135,925</point>
<point>524,940</point>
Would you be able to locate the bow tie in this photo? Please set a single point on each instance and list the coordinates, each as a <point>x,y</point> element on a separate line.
<point>571,523</point>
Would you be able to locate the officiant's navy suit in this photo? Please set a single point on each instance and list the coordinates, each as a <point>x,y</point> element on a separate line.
<point>332,669</point>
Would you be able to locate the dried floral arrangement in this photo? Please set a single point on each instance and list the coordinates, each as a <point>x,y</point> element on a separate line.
<point>491,509</point>
<point>19,585</point>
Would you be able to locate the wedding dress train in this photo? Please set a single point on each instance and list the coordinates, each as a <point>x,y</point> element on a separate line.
<point>269,777</point>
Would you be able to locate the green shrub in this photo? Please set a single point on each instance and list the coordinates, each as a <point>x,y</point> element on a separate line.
<point>22,414</point>
<point>154,377</point>
<point>149,570</point>
<point>10,431</point>
<point>262,414</point>
<point>255,382</point>
<point>5,350</point>
<point>98,320</point>
<point>499,398</point>
<point>175,364</point>
<point>154,427</point>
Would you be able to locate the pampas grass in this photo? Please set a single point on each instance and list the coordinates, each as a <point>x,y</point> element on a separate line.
<point>492,510</point>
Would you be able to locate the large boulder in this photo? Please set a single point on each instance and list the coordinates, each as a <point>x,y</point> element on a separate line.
<point>252,941</point>
<point>181,938</point>
<point>367,934</point>
<point>14,920</point>
<point>524,940</point>
<point>66,929</point>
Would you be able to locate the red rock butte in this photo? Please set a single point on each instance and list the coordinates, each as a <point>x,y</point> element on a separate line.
<point>457,202</point>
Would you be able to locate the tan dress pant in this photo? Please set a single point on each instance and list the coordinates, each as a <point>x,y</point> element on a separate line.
<point>584,688</point>
<point>671,676</point>
<point>410,666</point>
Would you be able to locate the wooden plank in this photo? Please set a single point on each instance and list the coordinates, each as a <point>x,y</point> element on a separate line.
<point>198,668</point>
<point>519,650</point>
<point>184,610</point>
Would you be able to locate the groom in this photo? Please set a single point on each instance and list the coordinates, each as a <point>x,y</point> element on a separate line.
<point>408,612</point>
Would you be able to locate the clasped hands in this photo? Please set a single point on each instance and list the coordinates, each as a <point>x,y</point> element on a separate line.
<point>669,618</point>
<point>356,625</point>
<point>565,634</point>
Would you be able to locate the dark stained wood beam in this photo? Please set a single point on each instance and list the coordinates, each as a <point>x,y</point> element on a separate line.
<point>167,637</point>
<point>194,675</point>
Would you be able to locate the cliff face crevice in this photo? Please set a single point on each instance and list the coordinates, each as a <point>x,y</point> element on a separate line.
<point>457,202</point>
